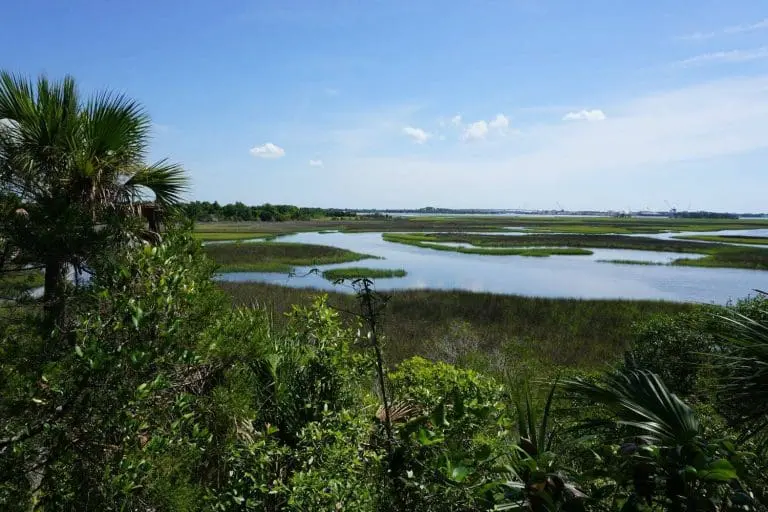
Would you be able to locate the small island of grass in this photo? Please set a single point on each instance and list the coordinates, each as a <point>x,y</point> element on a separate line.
<point>433,241</point>
<point>632,262</point>
<point>362,272</point>
<point>277,256</point>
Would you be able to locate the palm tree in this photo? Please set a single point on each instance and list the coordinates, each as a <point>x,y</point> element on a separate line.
<point>744,369</point>
<point>669,459</point>
<point>78,168</point>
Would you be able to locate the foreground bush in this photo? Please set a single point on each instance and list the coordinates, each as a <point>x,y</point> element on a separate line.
<point>161,396</point>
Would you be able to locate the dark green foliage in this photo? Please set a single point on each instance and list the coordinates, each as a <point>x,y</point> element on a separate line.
<point>673,347</point>
<point>744,370</point>
<point>665,458</point>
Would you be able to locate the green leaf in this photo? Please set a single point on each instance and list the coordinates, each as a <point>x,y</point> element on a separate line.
<point>426,438</point>
<point>438,415</point>
<point>719,471</point>
<point>459,473</point>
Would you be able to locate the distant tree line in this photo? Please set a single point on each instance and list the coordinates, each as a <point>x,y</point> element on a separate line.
<point>706,215</point>
<point>204,211</point>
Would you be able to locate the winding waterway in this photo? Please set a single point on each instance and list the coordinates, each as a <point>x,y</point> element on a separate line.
<point>555,276</point>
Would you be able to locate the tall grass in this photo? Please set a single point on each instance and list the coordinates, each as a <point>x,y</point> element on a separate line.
<point>512,331</point>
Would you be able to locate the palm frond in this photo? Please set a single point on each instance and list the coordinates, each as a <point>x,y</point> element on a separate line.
<point>168,182</point>
<point>744,366</point>
<point>117,131</point>
<point>640,399</point>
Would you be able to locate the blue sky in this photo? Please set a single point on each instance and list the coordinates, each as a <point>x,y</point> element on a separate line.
<point>409,103</point>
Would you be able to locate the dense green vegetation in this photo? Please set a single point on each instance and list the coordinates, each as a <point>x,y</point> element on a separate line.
<point>276,256</point>
<point>729,239</point>
<point>144,389</point>
<point>358,272</point>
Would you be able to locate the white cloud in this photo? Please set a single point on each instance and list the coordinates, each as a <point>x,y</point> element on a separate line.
<point>330,91</point>
<point>475,131</point>
<point>481,129</point>
<point>418,135</point>
<point>315,163</point>
<point>734,29</point>
<point>456,120</point>
<point>500,123</point>
<point>726,57</point>
<point>585,115</point>
<point>268,150</point>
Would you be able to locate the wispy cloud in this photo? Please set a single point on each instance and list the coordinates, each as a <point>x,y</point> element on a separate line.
<point>725,57</point>
<point>585,115</point>
<point>475,131</point>
<point>315,163</point>
<point>268,151</point>
<point>418,135</point>
<point>733,29</point>
<point>479,130</point>
<point>501,123</point>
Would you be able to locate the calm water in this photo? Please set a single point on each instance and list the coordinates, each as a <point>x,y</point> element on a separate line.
<point>555,276</point>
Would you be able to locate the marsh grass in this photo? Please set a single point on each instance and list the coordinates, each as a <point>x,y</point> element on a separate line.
<point>584,225</point>
<point>360,272</point>
<point>729,239</point>
<point>276,256</point>
<point>730,256</point>
<point>211,236</point>
<point>511,331</point>
<point>717,254</point>
<point>554,240</point>
<point>433,241</point>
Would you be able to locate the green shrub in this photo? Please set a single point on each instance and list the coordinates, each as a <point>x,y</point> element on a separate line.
<point>673,347</point>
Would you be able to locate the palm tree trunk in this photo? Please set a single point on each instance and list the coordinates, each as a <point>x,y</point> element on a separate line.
<point>53,291</point>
